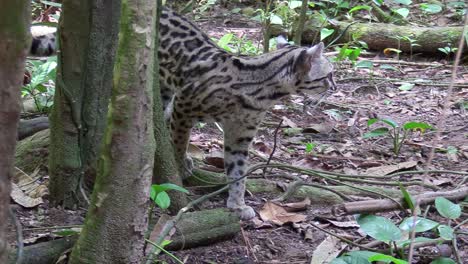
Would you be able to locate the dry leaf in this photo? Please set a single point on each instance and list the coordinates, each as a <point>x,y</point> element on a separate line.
<point>344,224</point>
<point>278,215</point>
<point>258,224</point>
<point>387,169</point>
<point>195,152</point>
<point>22,199</point>
<point>327,251</point>
<point>298,206</point>
<point>215,158</point>
<point>288,122</point>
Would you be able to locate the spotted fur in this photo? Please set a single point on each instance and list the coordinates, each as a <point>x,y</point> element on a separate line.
<point>202,82</point>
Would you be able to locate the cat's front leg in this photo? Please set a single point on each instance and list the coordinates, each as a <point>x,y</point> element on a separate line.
<point>236,150</point>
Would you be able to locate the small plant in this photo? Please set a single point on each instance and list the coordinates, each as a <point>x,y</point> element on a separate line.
<point>310,147</point>
<point>41,88</point>
<point>397,133</point>
<point>350,53</point>
<point>412,43</point>
<point>234,44</point>
<point>159,195</point>
<point>448,51</point>
<point>396,237</point>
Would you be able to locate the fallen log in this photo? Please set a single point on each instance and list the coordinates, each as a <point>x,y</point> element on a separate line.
<point>29,127</point>
<point>380,36</point>
<point>383,205</point>
<point>199,228</point>
<point>45,252</point>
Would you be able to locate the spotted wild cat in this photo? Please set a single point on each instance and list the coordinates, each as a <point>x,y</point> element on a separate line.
<point>202,82</point>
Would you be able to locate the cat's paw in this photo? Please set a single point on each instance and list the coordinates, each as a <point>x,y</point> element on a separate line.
<point>245,212</point>
<point>186,170</point>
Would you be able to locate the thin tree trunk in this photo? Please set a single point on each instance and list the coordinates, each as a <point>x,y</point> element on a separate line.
<point>165,166</point>
<point>14,44</point>
<point>118,216</point>
<point>88,37</point>
<point>300,25</point>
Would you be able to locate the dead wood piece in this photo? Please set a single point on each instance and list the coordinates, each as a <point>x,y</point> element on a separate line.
<point>373,206</point>
<point>29,127</point>
<point>45,252</point>
<point>200,228</point>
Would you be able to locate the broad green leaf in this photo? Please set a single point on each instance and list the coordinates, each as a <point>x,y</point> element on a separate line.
<point>407,242</point>
<point>340,260</point>
<point>310,146</point>
<point>167,186</point>
<point>372,121</point>
<point>406,86</point>
<point>354,54</point>
<point>445,232</point>
<point>381,131</point>
<point>361,253</point>
<point>447,209</point>
<point>165,243</point>
<point>403,2</point>
<point>407,197</point>
<point>380,228</point>
<point>378,2</point>
<point>163,200</point>
<point>364,64</point>
<point>41,73</point>
<point>294,4</point>
<point>389,122</point>
<point>416,125</point>
<point>422,224</point>
<point>404,12</point>
<point>275,19</point>
<point>386,259</point>
<point>442,260</point>
<point>431,8</point>
<point>225,40</point>
<point>359,7</point>
<point>354,257</point>
<point>325,32</point>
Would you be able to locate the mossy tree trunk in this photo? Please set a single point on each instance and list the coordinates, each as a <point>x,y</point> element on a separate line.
<point>87,39</point>
<point>118,216</point>
<point>14,43</point>
<point>165,166</point>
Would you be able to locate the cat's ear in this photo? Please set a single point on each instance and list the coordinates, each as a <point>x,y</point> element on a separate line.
<point>316,51</point>
<point>281,42</point>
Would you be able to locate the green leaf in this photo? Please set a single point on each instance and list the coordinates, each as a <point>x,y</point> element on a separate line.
<point>447,209</point>
<point>275,19</point>
<point>442,260</point>
<point>51,3</point>
<point>41,72</point>
<point>407,197</point>
<point>163,200</point>
<point>445,232</point>
<point>372,121</point>
<point>359,7</point>
<point>167,186</point>
<point>365,64</point>
<point>294,4</point>
<point>403,2</point>
<point>403,12</point>
<point>406,86</point>
<point>67,232</point>
<point>325,32</point>
<point>431,8</point>
<point>389,122</point>
<point>386,259</point>
<point>416,125</point>
<point>381,131</point>
<point>422,224</point>
<point>378,2</point>
<point>225,40</point>
<point>165,243</point>
<point>354,257</point>
<point>310,146</point>
<point>380,228</point>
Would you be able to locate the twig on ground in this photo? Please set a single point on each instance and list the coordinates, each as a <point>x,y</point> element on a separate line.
<point>248,245</point>
<point>275,135</point>
<point>373,206</point>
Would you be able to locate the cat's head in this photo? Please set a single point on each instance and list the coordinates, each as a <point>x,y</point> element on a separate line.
<point>312,72</point>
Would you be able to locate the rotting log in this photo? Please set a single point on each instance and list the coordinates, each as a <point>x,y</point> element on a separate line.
<point>200,228</point>
<point>383,205</point>
<point>380,36</point>
<point>29,127</point>
<point>45,252</point>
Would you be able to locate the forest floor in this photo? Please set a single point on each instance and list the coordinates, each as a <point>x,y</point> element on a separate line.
<point>326,135</point>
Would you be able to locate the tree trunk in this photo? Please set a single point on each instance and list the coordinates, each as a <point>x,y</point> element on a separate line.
<point>118,216</point>
<point>165,166</point>
<point>88,37</point>
<point>14,44</point>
